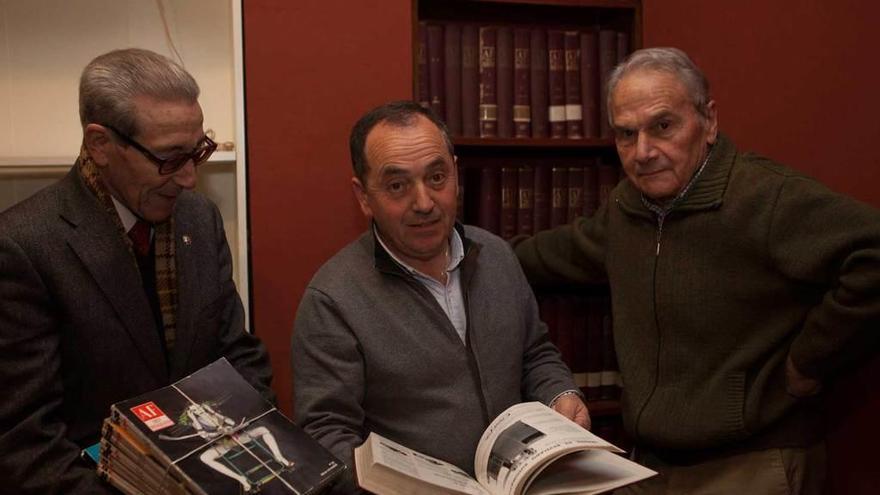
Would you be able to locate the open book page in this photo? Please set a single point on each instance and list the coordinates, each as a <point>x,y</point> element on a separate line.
<point>399,467</point>
<point>524,439</point>
<point>604,471</point>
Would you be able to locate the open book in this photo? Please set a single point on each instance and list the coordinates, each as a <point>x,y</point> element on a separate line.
<point>210,433</point>
<point>528,449</point>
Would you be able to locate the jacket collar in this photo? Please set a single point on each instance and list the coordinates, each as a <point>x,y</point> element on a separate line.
<point>705,194</point>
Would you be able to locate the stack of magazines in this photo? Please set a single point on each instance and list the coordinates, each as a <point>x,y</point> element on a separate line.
<point>210,433</point>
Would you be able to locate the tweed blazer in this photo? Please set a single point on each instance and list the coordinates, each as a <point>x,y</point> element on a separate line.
<point>77,333</point>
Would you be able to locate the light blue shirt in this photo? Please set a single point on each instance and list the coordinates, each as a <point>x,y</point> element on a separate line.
<point>448,296</point>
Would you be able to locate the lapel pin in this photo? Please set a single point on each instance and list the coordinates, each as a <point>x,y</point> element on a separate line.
<point>187,240</point>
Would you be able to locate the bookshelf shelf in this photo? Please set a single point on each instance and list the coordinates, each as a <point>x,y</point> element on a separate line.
<point>546,143</point>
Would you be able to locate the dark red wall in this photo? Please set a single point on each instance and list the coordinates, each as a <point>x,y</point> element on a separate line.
<point>312,67</point>
<point>799,82</point>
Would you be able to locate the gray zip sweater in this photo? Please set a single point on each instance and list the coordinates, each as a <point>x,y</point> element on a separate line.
<point>373,351</point>
<point>755,262</point>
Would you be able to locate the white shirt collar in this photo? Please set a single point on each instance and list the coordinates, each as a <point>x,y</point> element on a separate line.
<point>455,256</point>
<point>128,218</point>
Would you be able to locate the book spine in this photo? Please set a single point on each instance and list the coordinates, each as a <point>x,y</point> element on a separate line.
<point>470,81</point>
<point>608,179</point>
<point>522,109</point>
<point>488,95</point>
<point>591,188</point>
<point>575,193</point>
<point>423,94</point>
<point>556,82</point>
<point>504,80</point>
<point>573,109</point>
<point>622,46</point>
<point>538,83</point>
<point>452,77</point>
<point>490,199</point>
<point>508,202</point>
<point>435,70</point>
<point>607,60</point>
<point>542,198</point>
<point>559,204</point>
<point>590,84</point>
<point>525,213</point>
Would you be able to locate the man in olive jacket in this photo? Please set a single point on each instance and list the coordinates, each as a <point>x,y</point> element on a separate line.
<point>739,287</point>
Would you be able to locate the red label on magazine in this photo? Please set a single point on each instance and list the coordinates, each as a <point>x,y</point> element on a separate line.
<point>152,416</point>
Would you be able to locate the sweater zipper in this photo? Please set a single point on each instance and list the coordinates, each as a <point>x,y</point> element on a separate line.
<point>660,218</point>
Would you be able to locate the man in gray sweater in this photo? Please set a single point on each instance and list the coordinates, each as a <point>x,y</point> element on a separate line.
<point>422,330</point>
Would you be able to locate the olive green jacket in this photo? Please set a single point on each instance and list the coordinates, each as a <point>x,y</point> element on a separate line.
<point>756,262</point>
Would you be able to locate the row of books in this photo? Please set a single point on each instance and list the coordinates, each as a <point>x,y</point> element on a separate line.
<point>518,82</point>
<point>581,328</point>
<point>527,199</point>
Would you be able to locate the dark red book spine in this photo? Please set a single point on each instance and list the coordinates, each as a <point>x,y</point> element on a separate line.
<point>559,204</point>
<point>556,82</point>
<point>622,46</point>
<point>435,70</point>
<point>522,110</point>
<point>525,213</point>
<point>452,77</point>
<point>579,342</point>
<point>542,198</point>
<point>595,347</point>
<point>575,193</point>
<point>607,61</point>
<point>423,94</point>
<point>470,81</point>
<point>608,178</point>
<point>591,188</point>
<point>504,62</point>
<point>508,202</point>
<point>490,199</point>
<point>488,96</point>
<point>590,84</point>
<point>573,115</point>
<point>538,82</point>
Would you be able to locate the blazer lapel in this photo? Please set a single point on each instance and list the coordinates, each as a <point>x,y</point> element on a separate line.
<point>187,276</point>
<point>95,239</point>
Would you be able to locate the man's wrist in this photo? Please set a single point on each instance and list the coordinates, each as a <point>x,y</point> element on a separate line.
<point>563,394</point>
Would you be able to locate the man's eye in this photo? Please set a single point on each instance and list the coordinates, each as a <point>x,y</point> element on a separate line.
<point>438,178</point>
<point>395,187</point>
<point>663,125</point>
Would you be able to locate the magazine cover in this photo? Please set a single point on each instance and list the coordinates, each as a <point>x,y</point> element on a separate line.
<point>226,438</point>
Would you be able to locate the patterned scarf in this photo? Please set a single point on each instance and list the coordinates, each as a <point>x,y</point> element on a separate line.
<point>166,267</point>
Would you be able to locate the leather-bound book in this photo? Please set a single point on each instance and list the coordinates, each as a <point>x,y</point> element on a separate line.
<point>542,198</point>
<point>622,46</point>
<point>509,208</point>
<point>559,200</point>
<point>573,111</point>
<point>607,61</point>
<point>470,80</point>
<point>575,193</point>
<point>579,364</point>
<point>489,212</point>
<point>538,82</point>
<point>423,94</point>
<point>595,346</point>
<point>591,187</point>
<point>610,382</point>
<point>556,81</point>
<point>608,178</point>
<point>435,70</point>
<point>522,109</point>
<point>590,83</point>
<point>452,76</point>
<point>504,62</point>
<point>488,95</point>
<point>525,213</point>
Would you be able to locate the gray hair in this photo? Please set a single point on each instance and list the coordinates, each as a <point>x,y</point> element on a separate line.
<point>111,82</point>
<point>664,59</point>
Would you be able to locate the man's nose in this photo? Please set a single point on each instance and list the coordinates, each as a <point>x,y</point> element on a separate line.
<point>186,176</point>
<point>422,200</point>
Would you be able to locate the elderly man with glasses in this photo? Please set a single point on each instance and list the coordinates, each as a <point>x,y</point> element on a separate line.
<point>117,279</point>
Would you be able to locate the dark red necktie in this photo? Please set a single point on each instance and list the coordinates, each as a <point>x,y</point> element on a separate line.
<point>140,238</point>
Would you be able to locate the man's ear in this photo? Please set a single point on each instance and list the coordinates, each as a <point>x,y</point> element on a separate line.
<point>98,141</point>
<point>360,193</point>
<point>711,122</point>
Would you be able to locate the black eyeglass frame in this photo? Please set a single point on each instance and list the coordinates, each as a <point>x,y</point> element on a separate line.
<point>168,166</point>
